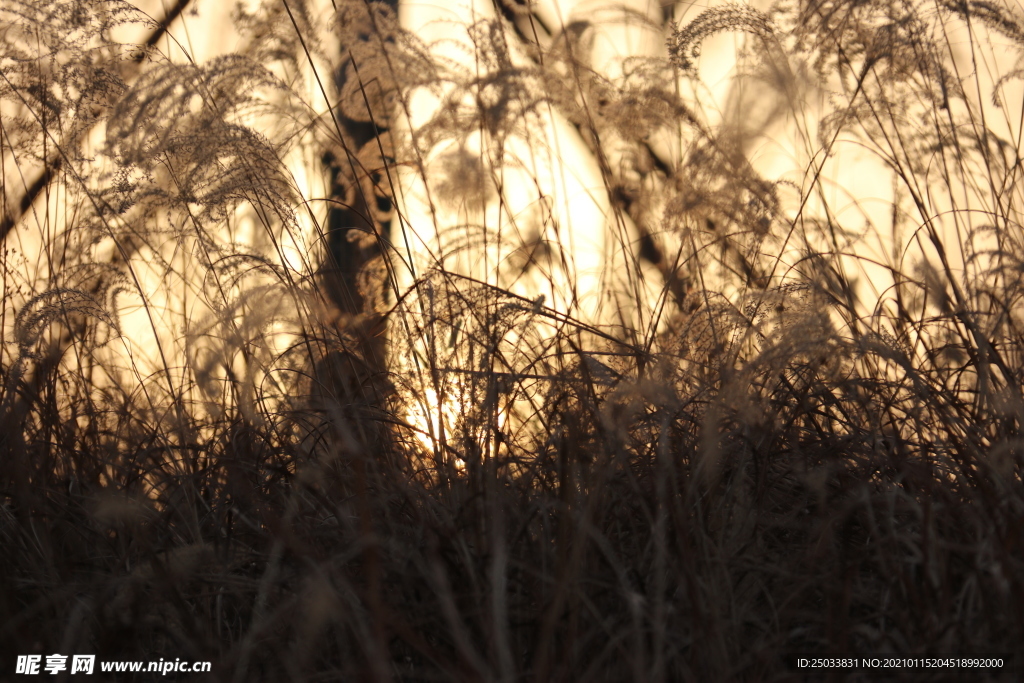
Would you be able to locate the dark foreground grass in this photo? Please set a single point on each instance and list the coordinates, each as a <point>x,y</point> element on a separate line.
<point>769,471</point>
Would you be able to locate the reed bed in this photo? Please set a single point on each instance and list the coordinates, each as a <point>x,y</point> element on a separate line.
<point>258,409</point>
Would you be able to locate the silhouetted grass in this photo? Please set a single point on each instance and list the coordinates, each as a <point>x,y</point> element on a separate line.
<point>242,421</point>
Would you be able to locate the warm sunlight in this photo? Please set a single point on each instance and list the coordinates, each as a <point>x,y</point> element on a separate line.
<point>511,340</point>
